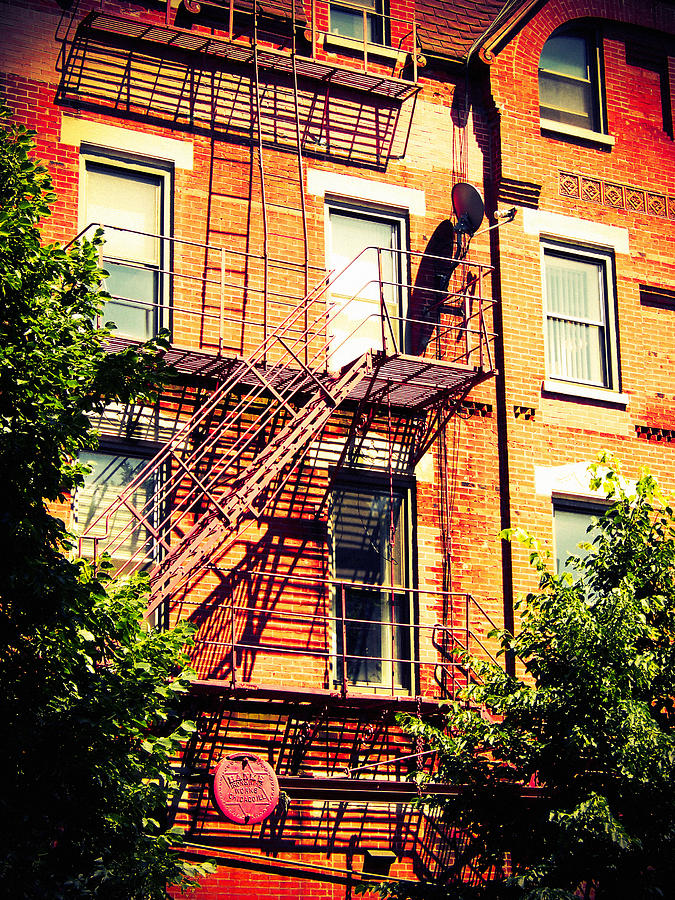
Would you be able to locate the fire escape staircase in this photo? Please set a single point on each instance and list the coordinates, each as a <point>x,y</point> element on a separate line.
<point>248,495</point>
<point>229,461</point>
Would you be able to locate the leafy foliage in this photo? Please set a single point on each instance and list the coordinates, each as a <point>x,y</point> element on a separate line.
<point>90,700</point>
<point>569,772</point>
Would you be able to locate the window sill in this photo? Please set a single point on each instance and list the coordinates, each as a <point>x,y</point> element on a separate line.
<point>570,391</point>
<point>336,42</point>
<point>585,134</point>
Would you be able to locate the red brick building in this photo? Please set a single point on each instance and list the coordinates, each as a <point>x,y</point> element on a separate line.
<point>373,381</point>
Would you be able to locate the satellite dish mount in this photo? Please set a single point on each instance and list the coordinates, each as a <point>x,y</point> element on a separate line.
<point>469,210</point>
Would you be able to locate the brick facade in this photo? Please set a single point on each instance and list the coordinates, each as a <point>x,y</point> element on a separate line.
<point>120,88</point>
<point>627,185</point>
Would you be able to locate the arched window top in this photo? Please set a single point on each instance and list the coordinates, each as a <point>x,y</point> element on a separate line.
<point>570,80</point>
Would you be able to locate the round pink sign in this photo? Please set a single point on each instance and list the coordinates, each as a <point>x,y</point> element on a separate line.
<point>246,788</point>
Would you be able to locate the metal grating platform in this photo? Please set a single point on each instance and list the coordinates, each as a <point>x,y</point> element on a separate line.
<point>189,363</point>
<point>201,365</point>
<point>315,698</point>
<point>110,27</point>
<point>407,382</point>
<point>413,382</point>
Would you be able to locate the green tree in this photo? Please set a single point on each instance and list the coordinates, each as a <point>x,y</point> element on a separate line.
<point>90,697</point>
<point>567,774</point>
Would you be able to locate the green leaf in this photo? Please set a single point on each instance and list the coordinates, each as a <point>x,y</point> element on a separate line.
<point>87,783</point>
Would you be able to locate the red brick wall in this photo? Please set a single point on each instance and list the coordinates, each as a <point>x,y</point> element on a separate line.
<point>564,431</point>
<point>458,488</point>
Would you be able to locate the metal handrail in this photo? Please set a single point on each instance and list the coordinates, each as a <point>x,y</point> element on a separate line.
<point>401,32</point>
<point>306,321</point>
<point>284,300</point>
<point>315,634</point>
<point>167,453</point>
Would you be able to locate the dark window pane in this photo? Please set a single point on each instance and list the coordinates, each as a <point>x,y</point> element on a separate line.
<point>347,21</point>
<point>120,534</point>
<point>566,54</point>
<point>368,528</point>
<point>570,529</point>
<point>569,81</point>
<point>361,528</point>
<point>566,101</point>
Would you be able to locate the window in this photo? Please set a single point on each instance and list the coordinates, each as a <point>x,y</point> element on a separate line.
<point>581,345</point>
<point>569,81</point>
<point>123,536</point>
<point>571,521</point>
<point>132,204</point>
<point>370,552</point>
<point>347,20</point>
<point>355,322</point>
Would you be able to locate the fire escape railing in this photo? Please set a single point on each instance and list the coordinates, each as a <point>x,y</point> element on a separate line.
<point>291,363</point>
<point>218,298</point>
<point>397,34</point>
<point>465,299</point>
<point>312,644</point>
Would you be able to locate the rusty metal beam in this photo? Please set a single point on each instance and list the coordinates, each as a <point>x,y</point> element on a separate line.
<point>381,790</point>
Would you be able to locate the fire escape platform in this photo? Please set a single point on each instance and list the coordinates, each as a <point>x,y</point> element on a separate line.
<point>188,363</point>
<point>415,382</point>
<point>380,790</point>
<point>379,781</point>
<point>358,699</point>
<point>406,382</point>
<point>111,29</point>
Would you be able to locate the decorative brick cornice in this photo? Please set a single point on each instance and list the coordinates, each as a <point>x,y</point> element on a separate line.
<point>522,193</point>
<point>474,408</point>
<point>654,433</point>
<point>616,195</point>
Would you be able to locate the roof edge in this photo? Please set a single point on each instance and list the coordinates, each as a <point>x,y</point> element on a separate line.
<point>494,43</point>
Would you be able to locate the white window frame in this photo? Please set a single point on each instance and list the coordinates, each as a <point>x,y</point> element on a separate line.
<point>162,170</point>
<point>603,258</point>
<point>398,219</point>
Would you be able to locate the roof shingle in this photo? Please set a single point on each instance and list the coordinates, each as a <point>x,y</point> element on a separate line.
<point>448,28</point>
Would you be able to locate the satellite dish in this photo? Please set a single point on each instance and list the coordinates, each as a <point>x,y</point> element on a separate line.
<point>469,208</point>
<point>469,211</point>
